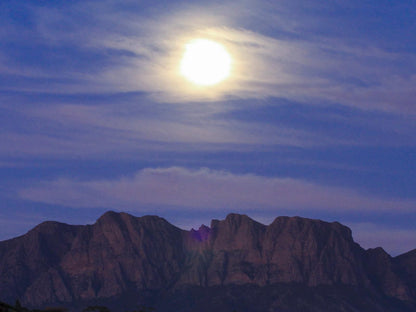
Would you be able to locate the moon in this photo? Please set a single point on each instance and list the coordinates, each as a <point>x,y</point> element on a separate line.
<point>205,62</point>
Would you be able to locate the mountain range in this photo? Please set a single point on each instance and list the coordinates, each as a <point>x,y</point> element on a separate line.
<point>235,264</point>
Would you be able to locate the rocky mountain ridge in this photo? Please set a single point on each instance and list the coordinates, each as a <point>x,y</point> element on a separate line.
<point>121,254</point>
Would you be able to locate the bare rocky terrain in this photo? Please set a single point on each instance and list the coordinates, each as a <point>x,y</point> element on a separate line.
<point>293,264</point>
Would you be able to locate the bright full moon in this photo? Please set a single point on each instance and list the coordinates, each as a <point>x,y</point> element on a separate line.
<point>205,62</point>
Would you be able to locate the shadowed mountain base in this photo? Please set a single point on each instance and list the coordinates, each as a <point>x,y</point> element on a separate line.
<point>253,298</point>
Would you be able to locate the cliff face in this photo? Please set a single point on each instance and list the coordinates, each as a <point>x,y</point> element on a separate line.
<point>24,259</point>
<point>119,254</point>
<point>387,274</point>
<point>239,250</point>
<point>406,264</point>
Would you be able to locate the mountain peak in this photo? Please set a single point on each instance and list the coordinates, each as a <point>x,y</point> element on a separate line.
<point>234,222</point>
<point>231,217</point>
<point>122,217</point>
<point>202,234</point>
<point>108,215</point>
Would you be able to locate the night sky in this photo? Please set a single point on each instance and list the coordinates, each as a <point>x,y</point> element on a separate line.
<point>317,118</point>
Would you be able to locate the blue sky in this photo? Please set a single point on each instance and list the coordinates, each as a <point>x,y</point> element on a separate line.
<point>317,118</point>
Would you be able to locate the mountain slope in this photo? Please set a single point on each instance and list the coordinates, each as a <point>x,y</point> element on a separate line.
<point>126,259</point>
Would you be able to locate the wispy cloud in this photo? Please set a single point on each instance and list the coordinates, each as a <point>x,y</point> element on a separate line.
<point>90,130</point>
<point>135,125</point>
<point>206,189</point>
<point>143,54</point>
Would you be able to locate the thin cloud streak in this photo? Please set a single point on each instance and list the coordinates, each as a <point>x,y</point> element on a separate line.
<point>206,189</point>
<point>68,129</point>
<point>90,130</point>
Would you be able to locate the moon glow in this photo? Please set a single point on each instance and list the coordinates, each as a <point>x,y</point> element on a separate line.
<point>205,62</point>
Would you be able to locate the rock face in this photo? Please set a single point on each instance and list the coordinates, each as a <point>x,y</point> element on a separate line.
<point>121,254</point>
<point>239,250</point>
<point>406,263</point>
